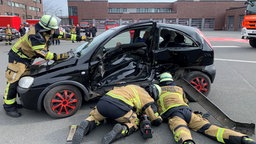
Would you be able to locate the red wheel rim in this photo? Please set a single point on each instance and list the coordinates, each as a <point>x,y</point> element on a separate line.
<point>200,84</point>
<point>64,102</point>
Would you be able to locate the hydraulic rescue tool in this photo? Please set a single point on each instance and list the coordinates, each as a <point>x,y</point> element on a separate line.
<point>145,127</point>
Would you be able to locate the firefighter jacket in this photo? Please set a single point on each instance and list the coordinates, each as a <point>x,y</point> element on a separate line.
<point>171,97</point>
<point>32,45</point>
<point>73,30</point>
<point>8,31</point>
<point>136,97</point>
<point>65,36</point>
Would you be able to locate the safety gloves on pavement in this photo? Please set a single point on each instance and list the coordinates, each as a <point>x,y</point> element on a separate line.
<point>61,56</point>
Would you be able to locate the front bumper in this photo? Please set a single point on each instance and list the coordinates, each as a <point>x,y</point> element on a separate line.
<point>30,97</point>
<point>248,33</point>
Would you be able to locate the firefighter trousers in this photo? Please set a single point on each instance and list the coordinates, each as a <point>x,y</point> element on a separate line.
<point>13,73</point>
<point>8,39</point>
<point>183,119</point>
<point>129,119</point>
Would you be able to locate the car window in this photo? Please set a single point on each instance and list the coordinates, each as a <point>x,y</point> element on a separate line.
<point>172,38</point>
<point>120,39</point>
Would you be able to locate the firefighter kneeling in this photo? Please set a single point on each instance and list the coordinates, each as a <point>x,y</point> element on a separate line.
<point>172,106</point>
<point>122,104</point>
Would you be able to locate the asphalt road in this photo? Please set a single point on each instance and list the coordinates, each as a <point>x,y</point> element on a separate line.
<point>233,91</point>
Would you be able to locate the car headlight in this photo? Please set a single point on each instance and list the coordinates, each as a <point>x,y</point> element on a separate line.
<point>26,82</point>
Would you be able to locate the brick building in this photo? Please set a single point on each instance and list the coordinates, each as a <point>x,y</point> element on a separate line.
<point>26,9</point>
<point>204,14</point>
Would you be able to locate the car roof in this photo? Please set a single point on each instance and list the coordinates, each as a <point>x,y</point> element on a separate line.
<point>192,31</point>
<point>189,30</point>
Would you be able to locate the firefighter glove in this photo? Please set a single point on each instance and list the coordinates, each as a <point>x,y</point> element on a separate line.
<point>61,56</point>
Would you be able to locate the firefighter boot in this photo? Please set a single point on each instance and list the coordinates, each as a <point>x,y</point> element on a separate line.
<point>83,129</point>
<point>246,140</point>
<point>11,110</point>
<point>189,142</point>
<point>117,132</point>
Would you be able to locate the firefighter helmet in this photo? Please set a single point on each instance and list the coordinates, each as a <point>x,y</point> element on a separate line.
<point>166,77</point>
<point>154,91</point>
<point>49,22</point>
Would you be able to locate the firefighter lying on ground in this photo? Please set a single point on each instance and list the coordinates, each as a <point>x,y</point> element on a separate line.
<point>32,45</point>
<point>172,106</point>
<point>124,105</point>
<point>8,35</point>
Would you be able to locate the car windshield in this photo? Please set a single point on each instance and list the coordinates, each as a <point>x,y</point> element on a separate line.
<point>251,8</point>
<point>88,46</point>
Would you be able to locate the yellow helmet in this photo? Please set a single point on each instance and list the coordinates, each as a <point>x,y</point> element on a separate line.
<point>166,77</point>
<point>49,22</point>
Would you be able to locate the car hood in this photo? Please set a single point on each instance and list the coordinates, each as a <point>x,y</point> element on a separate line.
<point>43,66</point>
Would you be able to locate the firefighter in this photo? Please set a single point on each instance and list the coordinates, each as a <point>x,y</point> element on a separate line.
<point>173,107</point>
<point>8,35</point>
<point>124,105</point>
<point>32,45</point>
<point>73,33</point>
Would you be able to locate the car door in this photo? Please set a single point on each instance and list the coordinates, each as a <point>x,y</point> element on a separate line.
<point>123,61</point>
<point>177,48</point>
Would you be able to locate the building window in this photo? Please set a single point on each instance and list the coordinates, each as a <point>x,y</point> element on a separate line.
<point>196,22</point>
<point>184,21</point>
<point>139,10</point>
<point>117,10</point>
<point>209,24</point>
<point>29,17</point>
<point>241,17</point>
<point>153,10</point>
<point>1,2</point>
<point>72,10</point>
<point>171,21</point>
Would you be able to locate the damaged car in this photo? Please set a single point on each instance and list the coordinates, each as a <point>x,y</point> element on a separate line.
<point>127,54</point>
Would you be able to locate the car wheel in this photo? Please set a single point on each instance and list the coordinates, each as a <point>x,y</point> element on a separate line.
<point>200,81</point>
<point>62,101</point>
<point>252,42</point>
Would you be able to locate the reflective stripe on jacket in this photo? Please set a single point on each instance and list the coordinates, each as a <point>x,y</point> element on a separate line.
<point>171,97</point>
<point>132,95</point>
<point>33,45</point>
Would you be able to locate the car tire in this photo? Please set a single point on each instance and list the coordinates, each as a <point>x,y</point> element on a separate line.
<point>252,42</point>
<point>200,81</point>
<point>62,101</point>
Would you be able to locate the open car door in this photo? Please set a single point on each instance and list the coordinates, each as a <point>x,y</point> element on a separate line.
<point>123,61</point>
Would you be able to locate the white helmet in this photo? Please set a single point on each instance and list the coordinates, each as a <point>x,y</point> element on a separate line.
<point>49,22</point>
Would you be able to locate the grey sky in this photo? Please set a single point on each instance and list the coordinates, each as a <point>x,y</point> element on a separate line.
<point>60,7</point>
<point>56,7</point>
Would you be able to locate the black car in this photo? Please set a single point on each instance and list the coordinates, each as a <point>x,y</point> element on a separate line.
<point>117,57</point>
<point>2,35</point>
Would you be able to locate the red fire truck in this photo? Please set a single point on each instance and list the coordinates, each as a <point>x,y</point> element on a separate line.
<point>14,21</point>
<point>249,23</point>
<point>110,24</point>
